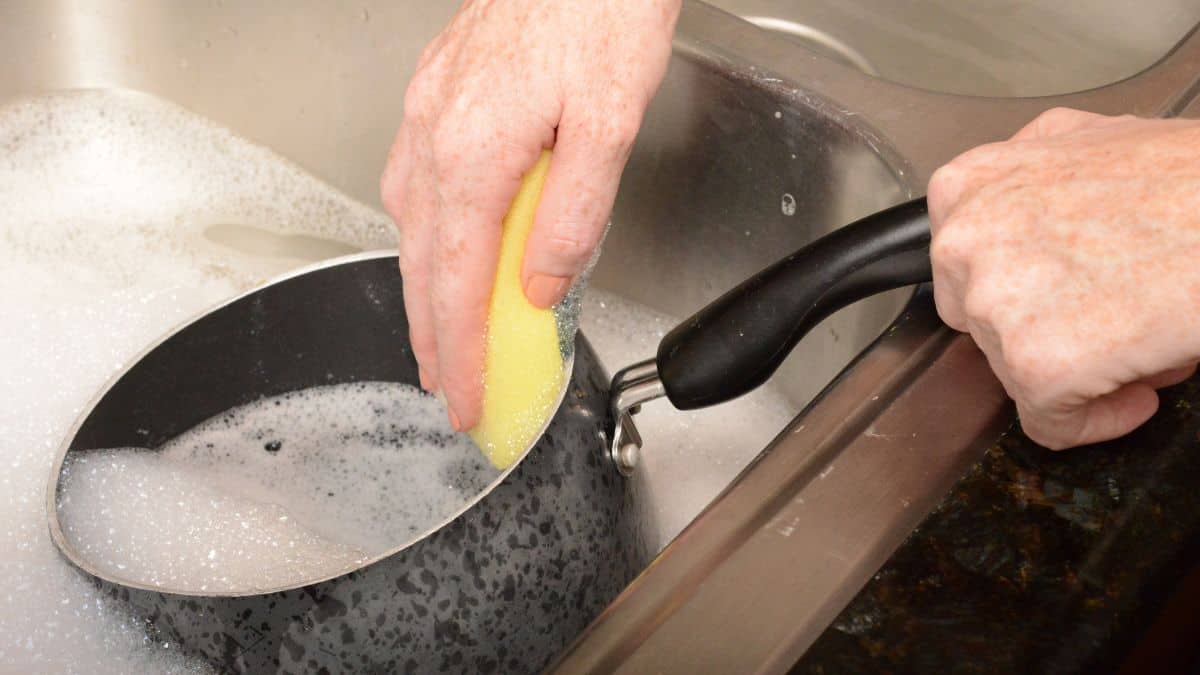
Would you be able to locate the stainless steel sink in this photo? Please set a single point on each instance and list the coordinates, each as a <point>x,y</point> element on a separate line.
<point>982,47</point>
<point>752,148</point>
<point>757,576</point>
<point>701,205</point>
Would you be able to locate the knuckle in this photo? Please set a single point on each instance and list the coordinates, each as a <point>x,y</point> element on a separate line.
<point>944,179</point>
<point>450,149</point>
<point>570,244</point>
<point>948,308</point>
<point>623,127</point>
<point>410,263</point>
<point>1041,430</point>
<point>979,303</point>
<point>419,97</point>
<point>1060,115</point>
<point>461,134</point>
<point>984,155</point>
<point>467,150</point>
<point>429,53</point>
<point>423,343</point>
<point>612,127</point>
<point>1026,363</point>
<point>444,308</point>
<point>461,386</point>
<point>393,193</point>
<point>1047,372</point>
<point>947,249</point>
<point>946,187</point>
<point>956,248</point>
<point>456,310</point>
<point>392,196</point>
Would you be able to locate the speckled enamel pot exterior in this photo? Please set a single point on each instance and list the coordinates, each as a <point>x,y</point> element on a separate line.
<point>502,588</point>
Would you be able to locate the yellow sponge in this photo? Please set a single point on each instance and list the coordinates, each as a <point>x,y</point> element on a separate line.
<point>523,370</point>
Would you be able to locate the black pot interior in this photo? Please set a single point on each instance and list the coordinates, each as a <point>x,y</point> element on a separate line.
<point>339,324</point>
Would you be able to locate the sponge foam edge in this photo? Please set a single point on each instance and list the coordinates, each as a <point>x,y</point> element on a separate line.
<point>523,371</point>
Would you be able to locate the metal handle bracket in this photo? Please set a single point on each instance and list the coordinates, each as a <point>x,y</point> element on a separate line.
<point>631,387</point>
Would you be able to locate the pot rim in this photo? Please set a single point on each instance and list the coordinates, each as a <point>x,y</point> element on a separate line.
<point>73,556</point>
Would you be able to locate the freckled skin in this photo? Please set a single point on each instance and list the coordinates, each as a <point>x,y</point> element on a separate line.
<point>1069,253</point>
<point>503,81</point>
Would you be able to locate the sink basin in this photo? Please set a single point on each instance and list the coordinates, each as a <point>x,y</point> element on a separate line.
<point>752,148</point>
<point>982,47</point>
<point>724,178</point>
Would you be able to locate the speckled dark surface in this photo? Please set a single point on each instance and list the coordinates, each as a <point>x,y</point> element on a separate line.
<point>502,588</point>
<point>1036,562</point>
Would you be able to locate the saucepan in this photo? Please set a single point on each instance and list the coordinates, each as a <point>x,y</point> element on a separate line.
<point>514,573</point>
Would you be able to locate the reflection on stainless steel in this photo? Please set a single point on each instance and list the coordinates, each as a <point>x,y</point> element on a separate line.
<point>261,241</point>
<point>818,40</point>
<point>745,122</point>
<point>984,47</point>
<point>761,572</point>
<point>769,564</point>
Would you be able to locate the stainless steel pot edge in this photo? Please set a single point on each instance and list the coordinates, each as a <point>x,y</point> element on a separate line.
<point>67,550</point>
<point>845,483</point>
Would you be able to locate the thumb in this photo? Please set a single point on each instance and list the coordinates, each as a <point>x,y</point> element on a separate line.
<point>1118,413</point>
<point>1101,419</point>
<point>574,207</point>
<point>1170,378</point>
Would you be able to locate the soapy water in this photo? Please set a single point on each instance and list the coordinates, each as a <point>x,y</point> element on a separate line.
<point>107,197</point>
<point>124,216</point>
<point>286,490</point>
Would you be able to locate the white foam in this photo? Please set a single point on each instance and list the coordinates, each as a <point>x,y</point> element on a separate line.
<point>124,215</point>
<point>106,198</point>
<point>283,491</point>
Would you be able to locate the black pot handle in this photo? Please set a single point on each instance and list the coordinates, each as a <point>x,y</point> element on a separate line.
<point>735,343</point>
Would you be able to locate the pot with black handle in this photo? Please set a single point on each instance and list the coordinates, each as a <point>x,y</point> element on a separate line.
<point>520,569</point>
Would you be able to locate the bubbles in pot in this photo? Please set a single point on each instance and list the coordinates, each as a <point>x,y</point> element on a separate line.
<point>283,491</point>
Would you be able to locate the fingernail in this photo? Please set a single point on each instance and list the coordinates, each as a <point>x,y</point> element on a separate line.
<point>454,423</point>
<point>544,290</point>
<point>427,382</point>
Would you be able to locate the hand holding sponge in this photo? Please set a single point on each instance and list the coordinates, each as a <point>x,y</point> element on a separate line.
<point>523,371</point>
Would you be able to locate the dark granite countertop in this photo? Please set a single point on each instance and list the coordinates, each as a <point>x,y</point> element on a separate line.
<point>1041,562</point>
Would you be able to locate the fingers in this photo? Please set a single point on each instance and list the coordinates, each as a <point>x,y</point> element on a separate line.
<point>948,249</point>
<point>478,171</point>
<point>417,239</point>
<point>464,270</point>
<point>1170,378</point>
<point>1103,418</point>
<point>1053,278</point>
<point>1060,121</point>
<point>589,156</point>
<point>412,203</point>
<point>946,296</point>
<point>1099,419</point>
<point>490,93</point>
<point>951,182</point>
<point>945,189</point>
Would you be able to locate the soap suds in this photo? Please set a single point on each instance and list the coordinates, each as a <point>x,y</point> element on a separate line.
<point>123,216</point>
<point>107,196</point>
<point>280,492</point>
